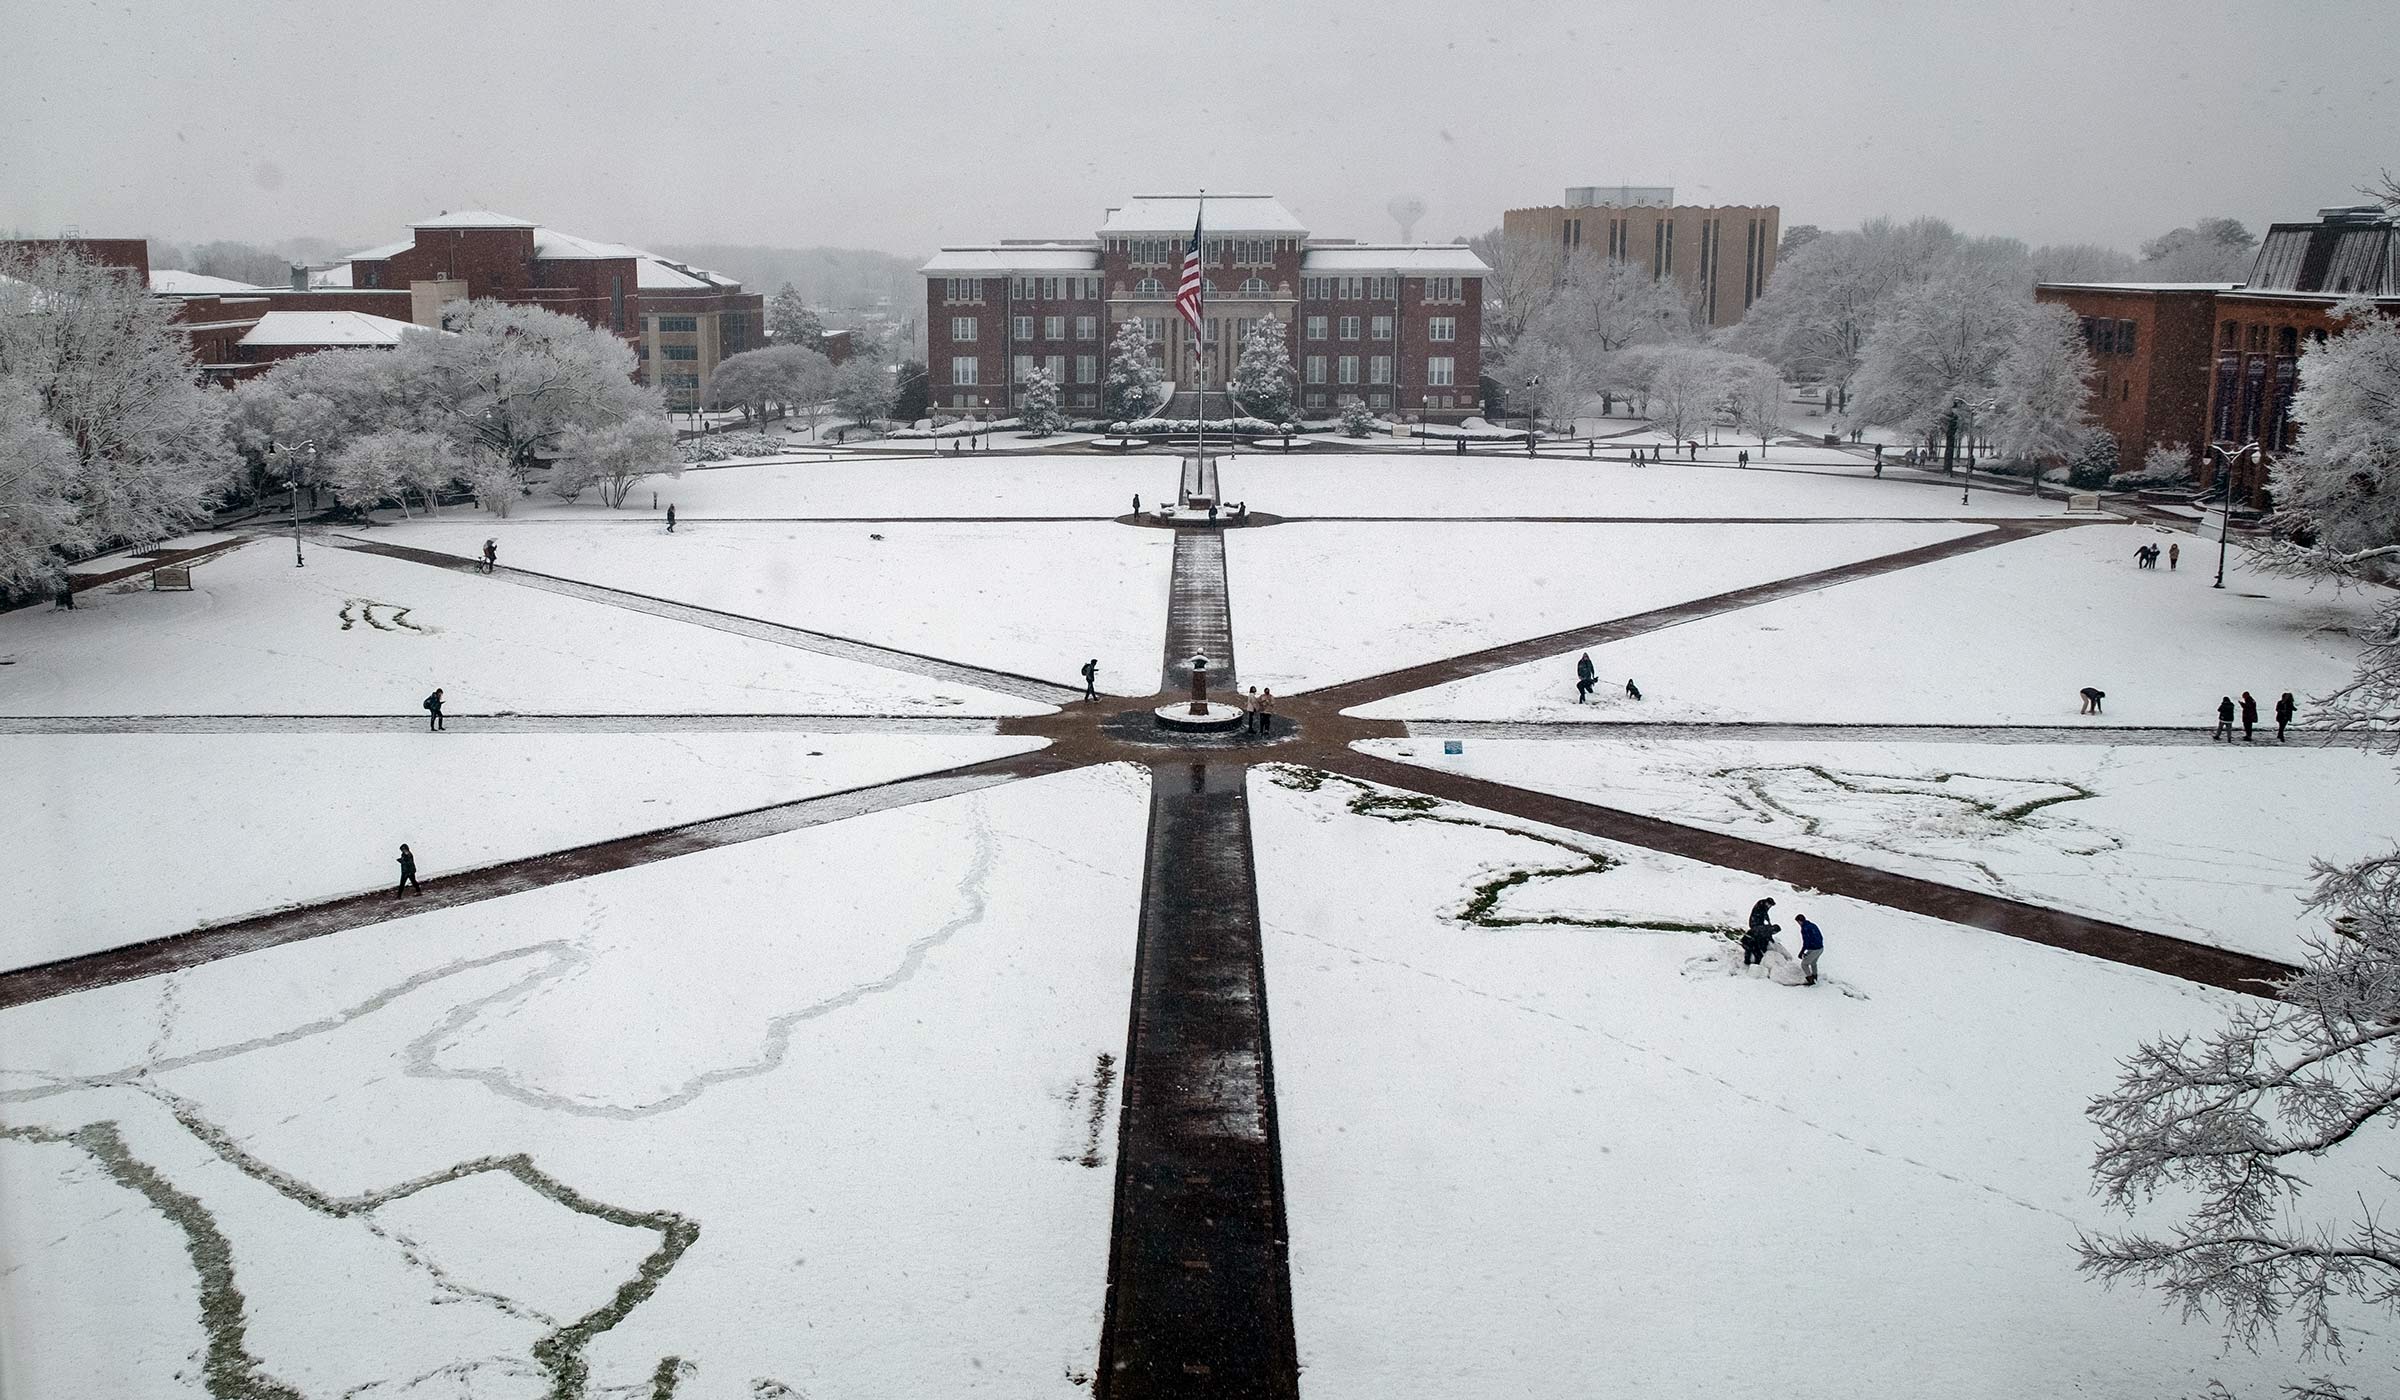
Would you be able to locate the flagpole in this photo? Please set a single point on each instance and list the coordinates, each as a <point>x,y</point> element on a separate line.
<point>1199,367</point>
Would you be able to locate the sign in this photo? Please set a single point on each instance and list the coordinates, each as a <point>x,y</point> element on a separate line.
<point>2212,524</point>
<point>1452,746</point>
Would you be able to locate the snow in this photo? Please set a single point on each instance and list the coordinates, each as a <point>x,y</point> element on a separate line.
<point>1415,591</point>
<point>738,1037</point>
<point>235,824</point>
<point>828,486</point>
<point>1222,213</point>
<point>168,282</point>
<point>260,636</point>
<point>1013,257</point>
<point>1035,600</point>
<point>472,218</point>
<point>336,329</point>
<point>1430,483</point>
<point>2210,844</point>
<point>1452,258</point>
<point>2007,635</point>
<point>1563,1160</point>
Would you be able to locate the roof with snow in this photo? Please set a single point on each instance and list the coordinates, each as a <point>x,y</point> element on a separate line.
<point>1224,213</point>
<point>1014,257</point>
<point>332,329</point>
<point>2143,286</point>
<point>473,218</point>
<point>1456,258</point>
<point>167,282</point>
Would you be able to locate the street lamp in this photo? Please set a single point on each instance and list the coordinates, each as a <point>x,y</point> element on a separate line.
<point>2225,464</point>
<point>285,450</point>
<point>1532,391</point>
<point>1960,408</point>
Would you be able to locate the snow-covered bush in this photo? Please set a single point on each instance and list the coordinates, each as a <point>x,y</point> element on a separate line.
<point>1166,427</point>
<point>716,447</point>
<point>1038,405</point>
<point>2093,467</point>
<point>1357,422</point>
<point>2165,464</point>
<point>1133,381</point>
<point>961,427</point>
<point>1262,379</point>
<point>1473,429</point>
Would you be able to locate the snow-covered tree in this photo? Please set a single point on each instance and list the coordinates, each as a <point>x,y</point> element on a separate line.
<point>1940,345</point>
<point>514,379</point>
<point>1038,404</point>
<point>2083,262</point>
<point>367,470</point>
<point>2042,390</point>
<point>614,456</point>
<point>326,398</point>
<point>2337,495</point>
<point>1262,377</point>
<point>2206,250</point>
<point>746,381</point>
<point>1753,398</point>
<point>1525,275</point>
<point>863,391</point>
<point>1357,421</point>
<point>1130,389</point>
<point>790,322</point>
<point>915,394</point>
<point>1827,296</point>
<point>1686,386</point>
<point>38,523</point>
<point>115,380</point>
<point>1605,304</point>
<point>1545,377</point>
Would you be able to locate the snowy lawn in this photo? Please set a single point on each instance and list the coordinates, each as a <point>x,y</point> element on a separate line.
<point>1558,1160</point>
<point>1035,599</point>
<point>1432,483</point>
<point>858,1128</point>
<point>356,634</point>
<point>2007,635</point>
<point>233,824</point>
<point>1316,603</point>
<point>2207,843</point>
<point>967,485</point>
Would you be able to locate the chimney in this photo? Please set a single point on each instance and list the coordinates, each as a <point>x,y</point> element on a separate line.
<point>299,277</point>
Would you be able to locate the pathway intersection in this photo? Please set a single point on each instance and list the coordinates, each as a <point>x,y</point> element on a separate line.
<point>1199,1300</point>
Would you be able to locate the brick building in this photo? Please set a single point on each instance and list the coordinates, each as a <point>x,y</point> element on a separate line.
<point>2189,365</point>
<point>1718,256</point>
<point>681,320</point>
<point>1398,325</point>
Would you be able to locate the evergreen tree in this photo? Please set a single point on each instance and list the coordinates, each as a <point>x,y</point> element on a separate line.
<point>1131,389</point>
<point>1357,422</point>
<point>1038,405</point>
<point>1262,378</point>
<point>916,395</point>
<point>790,322</point>
<point>2043,386</point>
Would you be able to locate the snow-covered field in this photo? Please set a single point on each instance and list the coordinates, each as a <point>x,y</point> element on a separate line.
<point>2211,843</point>
<point>2007,635</point>
<point>113,838</point>
<point>966,485</point>
<point>357,634</point>
<point>1316,603</point>
<point>1035,599</point>
<point>841,1097</point>
<point>1432,484</point>
<point>1568,1160</point>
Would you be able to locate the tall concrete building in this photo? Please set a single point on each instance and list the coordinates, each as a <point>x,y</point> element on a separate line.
<point>1719,256</point>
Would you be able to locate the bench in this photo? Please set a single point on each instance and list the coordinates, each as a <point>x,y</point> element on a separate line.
<point>171,578</point>
<point>2083,500</point>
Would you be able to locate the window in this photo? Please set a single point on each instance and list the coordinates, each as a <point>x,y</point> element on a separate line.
<point>1020,328</point>
<point>1254,286</point>
<point>1441,371</point>
<point>1087,328</point>
<point>1316,288</point>
<point>963,369</point>
<point>1087,369</point>
<point>962,328</point>
<point>1383,288</point>
<point>2125,337</point>
<point>1379,369</point>
<point>1154,328</point>
<point>963,289</point>
<point>1441,328</point>
<point>679,352</point>
<point>1349,328</point>
<point>1056,367</point>
<point>678,324</point>
<point>1148,287</point>
<point>1382,328</point>
<point>1316,369</point>
<point>2230,336</point>
<point>1021,368</point>
<point>1441,289</point>
<point>2287,341</point>
<point>1316,328</point>
<point>2257,336</point>
<point>1347,370</point>
<point>1054,328</point>
<point>1050,290</point>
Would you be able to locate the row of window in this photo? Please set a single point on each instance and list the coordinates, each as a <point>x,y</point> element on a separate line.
<point>1441,371</point>
<point>1241,252</point>
<point>1051,289</point>
<point>2103,336</point>
<point>1022,327</point>
<point>670,325</point>
<point>1443,329</point>
<point>967,370</point>
<point>968,291</point>
<point>1350,288</point>
<point>2233,335</point>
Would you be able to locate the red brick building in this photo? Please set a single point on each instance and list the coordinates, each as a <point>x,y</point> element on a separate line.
<point>2217,364</point>
<point>1397,325</point>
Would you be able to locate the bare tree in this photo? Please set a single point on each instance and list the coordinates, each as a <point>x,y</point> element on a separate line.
<point>1525,274</point>
<point>615,456</point>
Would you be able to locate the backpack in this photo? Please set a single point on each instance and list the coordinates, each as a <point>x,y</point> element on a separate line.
<point>430,702</point>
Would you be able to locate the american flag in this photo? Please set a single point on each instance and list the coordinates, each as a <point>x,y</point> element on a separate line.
<point>1187,292</point>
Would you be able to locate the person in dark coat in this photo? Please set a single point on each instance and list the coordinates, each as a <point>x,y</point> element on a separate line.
<point>2224,720</point>
<point>433,710</point>
<point>1586,676</point>
<point>670,518</point>
<point>2249,718</point>
<point>1762,929</point>
<point>1632,691</point>
<point>2091,700</point>
<point>1091,672</point>
<point>1266,712</point>
<point>491,554</point>
<point>1812,947</point>
<point>2284,710</point>
<point>408,873</point>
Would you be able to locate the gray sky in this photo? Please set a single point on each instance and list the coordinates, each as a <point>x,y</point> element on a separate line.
<point>903,126</point>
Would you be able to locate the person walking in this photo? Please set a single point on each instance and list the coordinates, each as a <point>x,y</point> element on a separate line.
<point>491,554</point>
<point>1812,947</point>
<point>408,873</point>
<point>670,517</point>
<point>1091,673</point>
<point>1762,930</point>
<point>2174,555</point>
<point>2284,710</point>
<point>1266,712</point>
<point>433,710</point>
<point>2249,718</point>
<point>1137,505</point>
<point>2224,720</point>
<point>1744,457</point>
<point>1586,676</point>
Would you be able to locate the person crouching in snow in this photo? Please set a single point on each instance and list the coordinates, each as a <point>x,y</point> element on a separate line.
<point>1762,931</point>
<point>1812,947</point>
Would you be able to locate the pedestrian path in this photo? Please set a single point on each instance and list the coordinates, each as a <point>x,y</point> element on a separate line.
<point>1199,613</point>
<point>905,725</point>
<point>823,643</point>
<point>1199,1292</point>
<point>208,944</point>
<point>1413,678</point>
<point>1638,730</point>
<point>2056,928</point>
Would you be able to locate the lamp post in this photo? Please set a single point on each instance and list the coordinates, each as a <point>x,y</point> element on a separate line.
<point>1532,391</point>
<point>285,451</point>
<point>2226,461</point>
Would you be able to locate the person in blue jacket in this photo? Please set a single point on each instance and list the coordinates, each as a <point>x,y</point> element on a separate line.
<point>1812,947</point>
